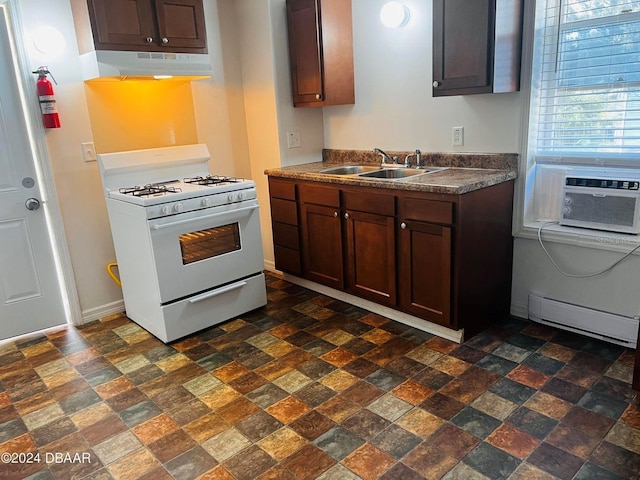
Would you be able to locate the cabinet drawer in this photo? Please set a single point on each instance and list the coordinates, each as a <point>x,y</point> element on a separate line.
<point>370,203</point>
<point>284,211</point>
<point>426,210</point>
<point>286,236</point>
<point>329,196</point>
<point>282,189</point>
<point>287,260</point>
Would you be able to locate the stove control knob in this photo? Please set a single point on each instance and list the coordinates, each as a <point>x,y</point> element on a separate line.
<point>207,202</point>
<point>232,197</point>
<point>178,208</point>
<point>166,209</point>
<point>241,196</point>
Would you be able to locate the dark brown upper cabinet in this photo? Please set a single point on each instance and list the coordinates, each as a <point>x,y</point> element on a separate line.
<point>176,26</point>
<point>476,46</point>
<point>320,52</point>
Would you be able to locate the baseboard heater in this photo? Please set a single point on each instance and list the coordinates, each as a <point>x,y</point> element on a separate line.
<point>605,326</point>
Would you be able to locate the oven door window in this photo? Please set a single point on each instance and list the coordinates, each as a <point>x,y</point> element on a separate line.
<point>209,243</point>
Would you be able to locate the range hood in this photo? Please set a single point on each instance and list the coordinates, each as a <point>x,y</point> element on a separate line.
<point>118,60</point>
<point>121,64</point>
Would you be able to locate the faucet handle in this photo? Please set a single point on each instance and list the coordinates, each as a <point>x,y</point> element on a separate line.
<point>418,158</point>
<point>418,154</point>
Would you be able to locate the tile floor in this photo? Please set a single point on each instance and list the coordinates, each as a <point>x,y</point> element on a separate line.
<point>309,387</point>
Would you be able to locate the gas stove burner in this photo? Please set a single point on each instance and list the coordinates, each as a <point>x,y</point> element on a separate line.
<point>211,180</point>
<point>149,190</point>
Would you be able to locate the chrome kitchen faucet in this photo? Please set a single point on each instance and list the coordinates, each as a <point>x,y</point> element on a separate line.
<point>386,158</point>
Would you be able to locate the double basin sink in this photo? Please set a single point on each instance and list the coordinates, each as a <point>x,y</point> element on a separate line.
<point>387,173</point>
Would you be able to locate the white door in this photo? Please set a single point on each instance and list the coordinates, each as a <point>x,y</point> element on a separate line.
<point>30,295</point>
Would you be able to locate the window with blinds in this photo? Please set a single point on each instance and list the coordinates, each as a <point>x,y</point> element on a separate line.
<point>586,80</point>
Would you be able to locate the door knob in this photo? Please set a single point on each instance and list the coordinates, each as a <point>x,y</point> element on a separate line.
<point>32,204</point>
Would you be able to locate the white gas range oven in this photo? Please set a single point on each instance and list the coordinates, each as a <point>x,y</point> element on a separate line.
<point>187,243</point>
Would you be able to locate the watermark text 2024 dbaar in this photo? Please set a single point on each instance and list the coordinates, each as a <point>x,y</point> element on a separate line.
<point>47,457</point>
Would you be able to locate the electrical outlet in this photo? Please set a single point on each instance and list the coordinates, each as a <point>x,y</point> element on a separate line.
<point>458,136</point>
<point>293,139</point>
<point>88,152</point>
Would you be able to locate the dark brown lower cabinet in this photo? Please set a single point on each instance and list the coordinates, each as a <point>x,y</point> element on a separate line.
<point>321,235</point>
<point>370,257</point>
<point>424,273</point>
<point>444,258</point>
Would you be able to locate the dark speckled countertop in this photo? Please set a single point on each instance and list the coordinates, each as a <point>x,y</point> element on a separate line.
<point>462,173</point>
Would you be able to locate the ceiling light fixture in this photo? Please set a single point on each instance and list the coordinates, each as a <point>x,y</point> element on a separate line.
<point>394,15</point>
<point>48,42</point>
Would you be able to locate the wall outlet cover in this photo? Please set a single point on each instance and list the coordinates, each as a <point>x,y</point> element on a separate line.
<point>457,136</point>
<point>293,139</point>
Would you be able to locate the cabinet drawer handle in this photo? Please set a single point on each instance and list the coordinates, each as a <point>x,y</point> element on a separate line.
<point>346,215</point>
<point>436,84</point>
<point>149,39</point>
<point>165,40</point>
<point>403,225</point>
<point>335,214</point>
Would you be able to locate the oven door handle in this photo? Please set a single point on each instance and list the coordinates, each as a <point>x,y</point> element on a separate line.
<point>215,293</point>
<point>206,217</point>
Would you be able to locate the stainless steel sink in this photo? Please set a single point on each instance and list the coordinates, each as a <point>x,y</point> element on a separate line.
<point>397,173</point>
<point>349,169</point>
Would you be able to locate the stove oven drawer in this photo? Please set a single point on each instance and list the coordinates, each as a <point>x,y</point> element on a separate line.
<point>190,315</point>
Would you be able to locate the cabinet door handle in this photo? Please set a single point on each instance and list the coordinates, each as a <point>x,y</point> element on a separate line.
<point>165,40</point>
<point>149,39</point>
<point>318,96</point>
<point>346,215</point>
<point>335,214</point>
<point>403,225</point>
<point>436,84</point>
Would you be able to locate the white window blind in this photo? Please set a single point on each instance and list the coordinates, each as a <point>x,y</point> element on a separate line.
<point>586,79</point>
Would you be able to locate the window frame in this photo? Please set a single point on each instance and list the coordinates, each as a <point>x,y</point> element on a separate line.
<point>524,224</point>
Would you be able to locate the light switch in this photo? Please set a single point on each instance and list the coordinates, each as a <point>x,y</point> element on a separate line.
<point>88,152</point>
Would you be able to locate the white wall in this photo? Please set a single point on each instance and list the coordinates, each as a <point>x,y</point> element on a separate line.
<point>617,291</point>
<point>394,106</point>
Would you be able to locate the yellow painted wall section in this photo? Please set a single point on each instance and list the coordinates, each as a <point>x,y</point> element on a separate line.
<point>136,114</point>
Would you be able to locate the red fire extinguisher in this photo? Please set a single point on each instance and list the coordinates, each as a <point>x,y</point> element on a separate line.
<point>50,117</point>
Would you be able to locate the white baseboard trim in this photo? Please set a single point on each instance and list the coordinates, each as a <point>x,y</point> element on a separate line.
<point>415,322</point>
<point>271,266</point>
<point>520,311</point>
<point>102,311</point>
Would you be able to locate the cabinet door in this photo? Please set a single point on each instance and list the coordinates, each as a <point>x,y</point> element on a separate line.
<point>122,24</point>
<point>305,54</point>
<point>181,23</point>
<point>462,46</point>
<point>425,271</point>
<point>371,253</point>
<point>322,245</point>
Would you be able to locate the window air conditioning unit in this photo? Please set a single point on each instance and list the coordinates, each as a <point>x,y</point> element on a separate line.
<point>601,204</point>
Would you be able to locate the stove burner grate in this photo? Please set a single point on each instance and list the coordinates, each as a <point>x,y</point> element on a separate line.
<point>210,180</point>
<point>148,190</point>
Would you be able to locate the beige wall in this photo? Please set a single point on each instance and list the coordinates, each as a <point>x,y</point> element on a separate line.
<point>77,183</point>
<point>244,111</point>
<point>216,104</point>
